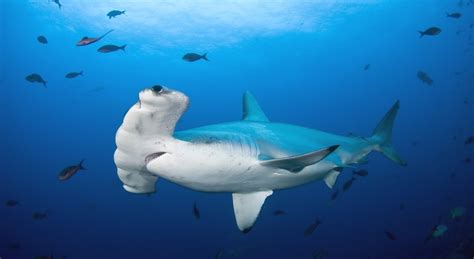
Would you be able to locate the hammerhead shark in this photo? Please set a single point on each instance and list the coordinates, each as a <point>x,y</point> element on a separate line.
<point>86,40</point>
<point>249,158</point>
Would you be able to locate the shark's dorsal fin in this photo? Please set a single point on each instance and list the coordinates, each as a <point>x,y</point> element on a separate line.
<point>295,164</point>
<point>247,206</point>
<point>252,111</point>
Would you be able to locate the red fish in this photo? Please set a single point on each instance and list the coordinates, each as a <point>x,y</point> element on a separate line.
<point>86,40</point>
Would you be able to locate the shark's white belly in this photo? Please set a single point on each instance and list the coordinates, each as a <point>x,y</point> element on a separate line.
<point>214,169</point>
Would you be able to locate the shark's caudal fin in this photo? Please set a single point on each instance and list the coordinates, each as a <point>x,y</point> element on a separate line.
<point>251,109</point>
<point>247,206</point>
<point>382,135</point>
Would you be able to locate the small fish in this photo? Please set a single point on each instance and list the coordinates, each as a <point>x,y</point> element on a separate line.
<point>390,235</point>
<point>74,74</point>
<point>12,203</point>
<point>320,254</point>
<point>35,78</point>
<point>432,31</point>
<point>348,184</point>
<point>311,228</point>
<point>469,140</point>
<point>191,57</point>
<point>14,246</point>
<point>196,212</point>
<point>424,77</point>
<point>366,67</point>
<point>69,171</point>
<point>402,206</point>
<point>334,195</point>
<point>58,3</point>
<point>111,48</point>
<point>40,215</point>
<point>279,212</point>
<point>114,13</point>
<point>457,212</point>
<point>452,176</point>
<point>467,160</point>
<point>86,40</point>
<point>42,39</point>
<point>219,255</point>
<point>436,232</point>
<point>361,172</point>
<point>454,15</point>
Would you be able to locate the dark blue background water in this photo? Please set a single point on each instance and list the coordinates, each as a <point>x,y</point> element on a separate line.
<point>314,79</point>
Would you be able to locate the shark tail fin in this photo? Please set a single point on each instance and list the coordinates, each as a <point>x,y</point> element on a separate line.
<point>382,135</point>
<point>205,57</point>
<point>422,33</point>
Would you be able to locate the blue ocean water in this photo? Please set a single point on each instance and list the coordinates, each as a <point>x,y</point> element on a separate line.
<point>304,61</point>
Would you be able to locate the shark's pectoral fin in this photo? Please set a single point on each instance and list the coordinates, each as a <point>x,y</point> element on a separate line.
<point>331,177</point>
<point>295,164</point>
<point>247,206</point>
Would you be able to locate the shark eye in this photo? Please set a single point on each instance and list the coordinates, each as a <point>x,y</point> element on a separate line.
<point>157,89</point>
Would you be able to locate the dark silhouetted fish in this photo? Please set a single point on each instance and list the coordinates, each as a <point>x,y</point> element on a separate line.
<point>361,172</point>
<point>390,235</point>
<point>320,254</point>
<point>111,48</point>
<point>469,140</point>
<point>42,39</point>
<point>452,176</point>
<point>366,67</point>
<point>191,57</point>
<point>196,212</point>
<point>311,228</point>
<point>424,77</point>
<point>402,206</point>
<point>114,13</point>
<point>12,203</point>
<point>35,78</point>
<point>432,31</point>
<point>86,40</point>
<point>347,185</point>
<point>454,15</point>
<point>40,215</point>
<point>467,160</point>
<point>74,74</point>
<point>58,3</point>
<point>279,212</point>
<point>70,171</point>
<point>334,195</point>
<point>14,246</point>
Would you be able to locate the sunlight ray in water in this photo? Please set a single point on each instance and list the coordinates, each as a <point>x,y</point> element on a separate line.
<point>204,23</point>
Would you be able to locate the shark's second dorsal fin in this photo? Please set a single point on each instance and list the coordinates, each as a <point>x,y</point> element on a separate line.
<point>295,164</point>
<point>252,111</point>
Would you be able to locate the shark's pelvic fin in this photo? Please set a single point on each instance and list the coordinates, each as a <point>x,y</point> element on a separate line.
<point>247,206</point>
<point>331,177</point>
<point>251,109</point>
<point>295,164</point>
<point>382,135</point>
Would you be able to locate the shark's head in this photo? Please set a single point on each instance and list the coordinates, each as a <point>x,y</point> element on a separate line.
<point>147,129</point>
